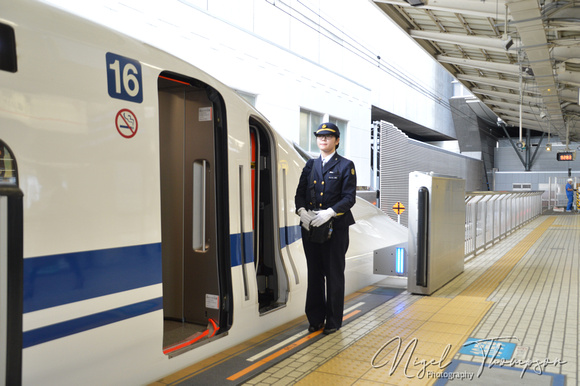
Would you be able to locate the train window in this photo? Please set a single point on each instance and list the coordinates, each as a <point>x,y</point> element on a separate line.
<point>7,48</point>
<point>8,174</point>
<point>309,122</point>
<point>342,125</point>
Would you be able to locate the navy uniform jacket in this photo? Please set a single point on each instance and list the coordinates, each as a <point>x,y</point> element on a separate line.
<point>334,187</point>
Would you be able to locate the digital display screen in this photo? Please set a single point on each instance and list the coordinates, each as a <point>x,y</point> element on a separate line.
<point>566,156</point>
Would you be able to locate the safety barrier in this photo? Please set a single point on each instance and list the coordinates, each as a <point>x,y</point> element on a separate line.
<point>554,195</point>
<point>491,216</point>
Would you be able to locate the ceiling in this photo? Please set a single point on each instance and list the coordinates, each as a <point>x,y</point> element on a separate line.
<point>528,74</point>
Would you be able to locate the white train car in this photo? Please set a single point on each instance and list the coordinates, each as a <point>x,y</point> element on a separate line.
<point>146,210</point>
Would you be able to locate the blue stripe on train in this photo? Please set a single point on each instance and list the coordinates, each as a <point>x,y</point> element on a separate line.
<point>74,326</point>
<point>55,280</point>
<point>288,235</point>
<point>236,248</point>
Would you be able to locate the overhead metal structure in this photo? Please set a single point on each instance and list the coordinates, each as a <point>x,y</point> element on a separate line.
<point>521,58</point>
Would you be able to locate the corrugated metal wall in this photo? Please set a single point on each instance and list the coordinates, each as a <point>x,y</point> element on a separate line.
<point>401,155</point>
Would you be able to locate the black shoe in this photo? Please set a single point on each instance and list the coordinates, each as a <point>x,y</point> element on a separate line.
<point>328,331</point>
<point>314,328</point>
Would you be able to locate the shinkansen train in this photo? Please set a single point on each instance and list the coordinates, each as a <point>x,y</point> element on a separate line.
<point>147,214</point>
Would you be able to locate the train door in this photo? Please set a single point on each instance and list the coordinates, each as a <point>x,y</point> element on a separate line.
<point>194,212</point>
<point>11,254</point>
<point>270,271</point>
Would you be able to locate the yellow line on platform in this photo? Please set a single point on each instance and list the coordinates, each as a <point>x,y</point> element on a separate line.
<point>282,351</point>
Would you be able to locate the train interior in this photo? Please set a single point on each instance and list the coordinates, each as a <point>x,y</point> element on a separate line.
<point>190,187</point>
<point>191,275</point>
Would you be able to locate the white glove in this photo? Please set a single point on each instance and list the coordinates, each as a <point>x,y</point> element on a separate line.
<point>306,217</point>
<point>322,217</point>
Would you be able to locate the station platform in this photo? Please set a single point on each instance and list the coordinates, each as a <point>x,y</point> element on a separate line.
<point>511,318</point>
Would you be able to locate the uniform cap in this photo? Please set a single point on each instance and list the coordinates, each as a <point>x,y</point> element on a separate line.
<point>328,128</point>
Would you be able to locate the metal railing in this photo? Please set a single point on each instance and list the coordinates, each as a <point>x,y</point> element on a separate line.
<point>554,195</point>
<point>491,216</point>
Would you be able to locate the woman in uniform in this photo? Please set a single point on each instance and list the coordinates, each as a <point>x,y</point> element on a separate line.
<point>326,191</point>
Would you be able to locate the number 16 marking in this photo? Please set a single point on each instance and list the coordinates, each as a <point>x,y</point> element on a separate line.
<point>124,79</point>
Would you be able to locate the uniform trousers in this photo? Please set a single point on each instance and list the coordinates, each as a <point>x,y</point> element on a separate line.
<point>325,299</point>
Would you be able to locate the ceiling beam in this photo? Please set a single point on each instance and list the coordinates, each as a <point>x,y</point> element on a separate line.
<point>492,104</point>
<point>512,69</point>
<point>529,87</point>
<point>569,77</point>
<point>468,7</point>
<point>482,42</point>
<point>527,100</point>
<point>527,19</point>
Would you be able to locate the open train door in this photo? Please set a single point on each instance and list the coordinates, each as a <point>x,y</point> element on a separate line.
<point>11,254</point>
<point>197,291</point>
<point>271,272</point>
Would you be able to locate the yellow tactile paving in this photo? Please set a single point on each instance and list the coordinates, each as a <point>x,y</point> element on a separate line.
<point>345,366</point>
<point>357,352</point>
<point>325,379</point>
<point>398,326</point>
<point>386,376</point>
<point>487,283</point>
<point>364,382</point>
<point>428,333</point>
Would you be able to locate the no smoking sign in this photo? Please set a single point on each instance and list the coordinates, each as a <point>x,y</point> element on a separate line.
<point>126,123</point>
